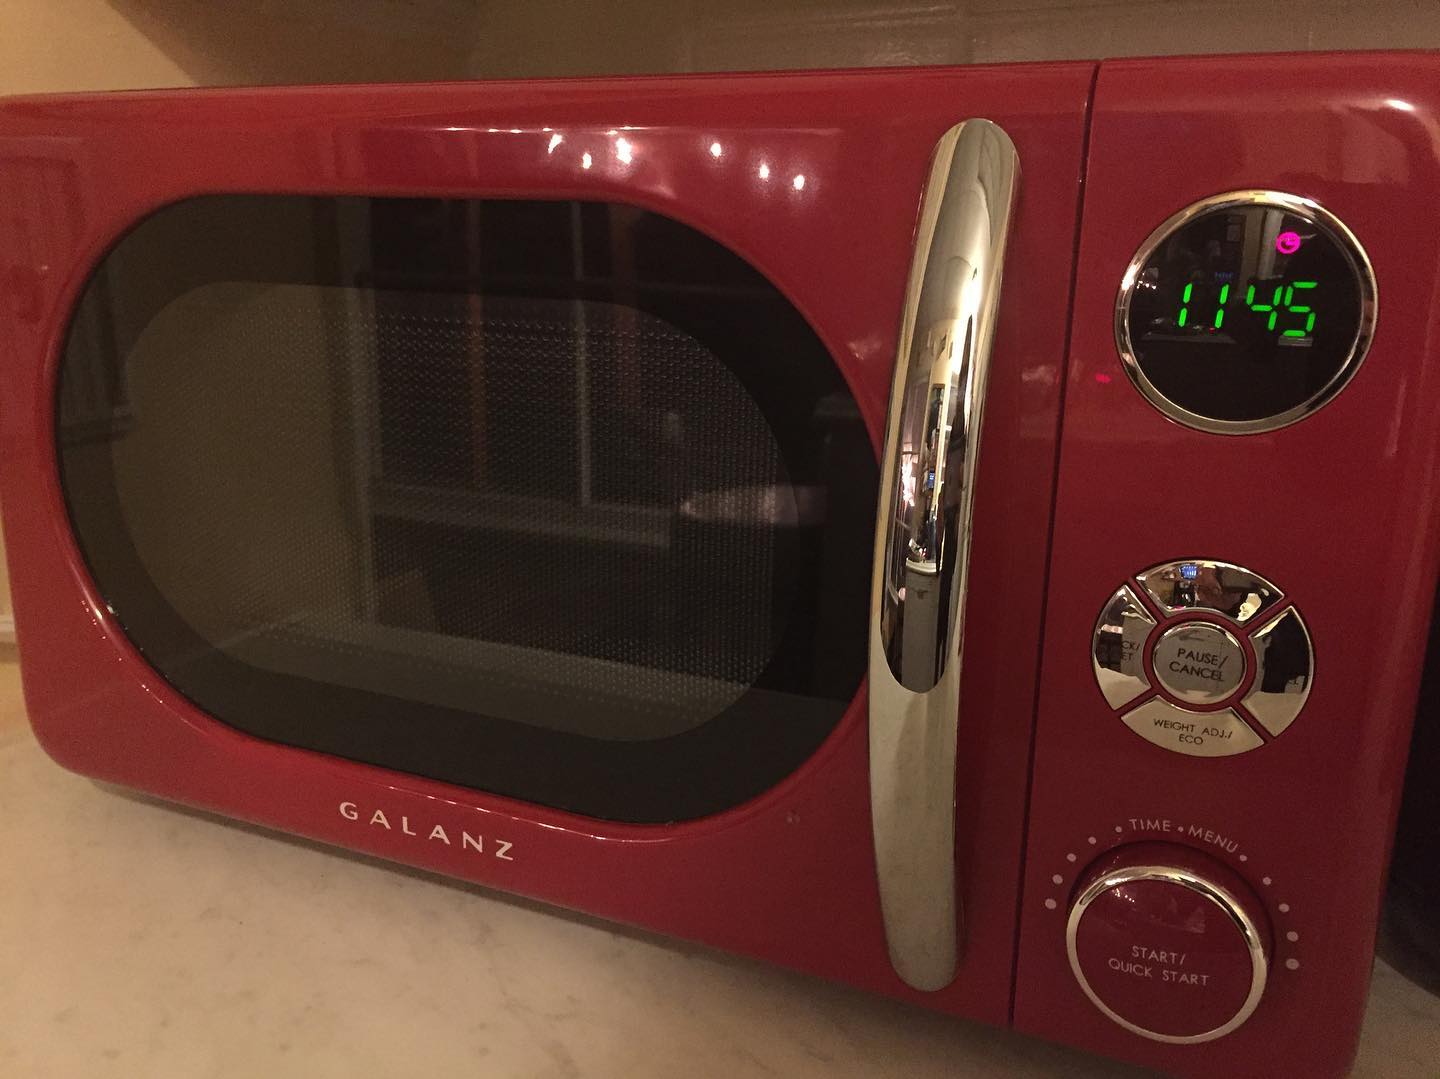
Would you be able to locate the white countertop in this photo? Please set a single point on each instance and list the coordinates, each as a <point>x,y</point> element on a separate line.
<point>136,939</point>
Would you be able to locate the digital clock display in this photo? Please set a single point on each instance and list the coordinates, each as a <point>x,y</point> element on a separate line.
<point>1246,311</point>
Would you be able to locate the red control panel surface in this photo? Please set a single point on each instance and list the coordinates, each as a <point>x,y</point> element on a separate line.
<point>1338,510</point>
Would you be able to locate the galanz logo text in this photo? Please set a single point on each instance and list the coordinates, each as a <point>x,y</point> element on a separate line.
<point>437,833</point>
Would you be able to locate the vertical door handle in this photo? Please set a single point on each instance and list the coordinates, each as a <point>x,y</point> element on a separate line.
<point>922,543</point>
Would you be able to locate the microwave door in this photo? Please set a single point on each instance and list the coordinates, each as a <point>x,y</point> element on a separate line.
<point>922,542</point>
<point>504,460</point>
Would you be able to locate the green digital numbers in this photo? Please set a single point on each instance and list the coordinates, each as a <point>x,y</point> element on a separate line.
<point>1282,303</point>
<point>1278,305</point>
<point>1265,308</point>
<point>1293,308</point>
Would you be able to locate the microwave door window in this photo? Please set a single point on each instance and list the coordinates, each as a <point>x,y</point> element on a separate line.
<point>562,501</point>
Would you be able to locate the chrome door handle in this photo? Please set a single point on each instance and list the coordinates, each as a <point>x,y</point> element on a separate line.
<point>922,543</point>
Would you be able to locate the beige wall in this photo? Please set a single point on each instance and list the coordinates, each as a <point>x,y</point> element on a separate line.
<point>89,44</point>
<point>52,45</point>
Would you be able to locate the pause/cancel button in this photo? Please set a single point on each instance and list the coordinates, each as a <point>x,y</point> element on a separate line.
<point>1199,662</point>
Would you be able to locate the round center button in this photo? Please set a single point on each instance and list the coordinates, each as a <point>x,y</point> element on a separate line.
<point>1199,662</point>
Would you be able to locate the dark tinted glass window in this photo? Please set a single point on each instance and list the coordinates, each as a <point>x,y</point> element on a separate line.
<point>562,501</point>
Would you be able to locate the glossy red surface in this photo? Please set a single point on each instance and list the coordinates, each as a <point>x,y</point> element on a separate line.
<point>789,877</point>
<point>1162,955</point>
<point>1338,510</point>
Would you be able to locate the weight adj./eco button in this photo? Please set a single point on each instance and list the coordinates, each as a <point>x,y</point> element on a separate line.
<point>1196,734</point>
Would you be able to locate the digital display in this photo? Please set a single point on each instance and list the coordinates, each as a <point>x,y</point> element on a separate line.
<point>1246,312</point>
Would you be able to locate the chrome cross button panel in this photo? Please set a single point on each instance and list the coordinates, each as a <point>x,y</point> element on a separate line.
<point>1210,666</point>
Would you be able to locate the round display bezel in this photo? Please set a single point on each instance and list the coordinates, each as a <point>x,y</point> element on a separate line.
<point>1322,219</point>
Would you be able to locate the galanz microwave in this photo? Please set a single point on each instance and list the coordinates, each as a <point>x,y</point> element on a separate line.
<point>968,533</point>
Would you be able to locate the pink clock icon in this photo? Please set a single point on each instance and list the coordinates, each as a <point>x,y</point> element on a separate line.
<point>1288,242</point>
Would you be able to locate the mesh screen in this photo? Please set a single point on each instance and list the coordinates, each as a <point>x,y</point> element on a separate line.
<point>520,502</point>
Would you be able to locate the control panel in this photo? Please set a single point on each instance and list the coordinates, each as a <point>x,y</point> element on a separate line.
<point>1245,504</point>
<point>1203,658</point>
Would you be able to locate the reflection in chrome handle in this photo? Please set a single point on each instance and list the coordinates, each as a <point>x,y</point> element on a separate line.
<point>922,543</point>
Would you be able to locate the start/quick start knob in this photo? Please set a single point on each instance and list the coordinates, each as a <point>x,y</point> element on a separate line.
<point>1169,943</point>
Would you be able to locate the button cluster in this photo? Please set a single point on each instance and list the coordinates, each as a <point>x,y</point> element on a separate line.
<point>1177,670</point>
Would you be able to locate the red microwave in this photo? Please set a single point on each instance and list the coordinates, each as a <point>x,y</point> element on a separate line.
<point>967,533</point>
